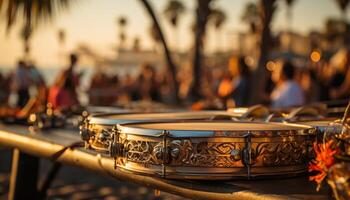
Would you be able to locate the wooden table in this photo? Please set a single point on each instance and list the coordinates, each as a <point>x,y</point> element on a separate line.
<point>50,144</point>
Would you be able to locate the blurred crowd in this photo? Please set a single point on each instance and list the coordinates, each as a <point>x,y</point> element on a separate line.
<point>26,82</point>
<point>149,85</point>
<point>288,84</point>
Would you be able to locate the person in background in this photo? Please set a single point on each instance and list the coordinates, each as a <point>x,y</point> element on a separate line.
<point>37,102</point>
<point>241,83</point>
<point>21,82</point>
<point>324,74</point>
<point>36,76</point>
<point>287,92</point>
<point>184,78</point>
<point>343,90</point>
<point>308,82</point>
<point>72,77</point>
<point>63,94</point>
<point>340,83</point>
<point>127,92</point>
<point>147,86</point>
<point>236,84</point>
<point>165,92</point>
<point>5,81</point>
<point>39,83</point>
<point>97,84</point>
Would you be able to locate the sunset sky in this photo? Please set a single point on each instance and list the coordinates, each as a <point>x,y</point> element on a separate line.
<point>94,22</point>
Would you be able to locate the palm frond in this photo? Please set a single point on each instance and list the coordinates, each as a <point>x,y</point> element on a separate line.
<point>218,17</point>
<point>173,10</point>
<point>32,12</point>
<point>343,4</point>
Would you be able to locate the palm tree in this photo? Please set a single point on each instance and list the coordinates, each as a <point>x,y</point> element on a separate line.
<point>336,30</point>
<point>172,11</point>
<point>333,27</point>
<point>171,65</point>
<point>289,21</point>
<point>251,16</point>
<point>289,12</point>
<point>343,5</point>
<point>61,37</point>
<point>136,44</point>
<point>203,12</point>
<point>218,17</point>
<point>267,10</point>
<point>154,35</point>
<point>33,12</point>
<point>25,36</point>
<point>122,23</point>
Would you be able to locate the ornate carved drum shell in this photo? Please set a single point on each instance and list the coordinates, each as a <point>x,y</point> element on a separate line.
<point>213,150</point>
<point>96,129</point>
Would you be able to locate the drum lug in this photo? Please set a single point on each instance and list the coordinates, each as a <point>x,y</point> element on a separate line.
<point>247,154</point>
<point>103,136</point>
<point>115,147</point>
<point>84,129</point>
<point>165,135</point>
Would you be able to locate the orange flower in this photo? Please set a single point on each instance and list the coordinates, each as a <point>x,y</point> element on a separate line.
<point>323,161</point>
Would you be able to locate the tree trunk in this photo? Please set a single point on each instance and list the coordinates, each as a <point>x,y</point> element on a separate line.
<point>260,74</point>
<point>171,65</point>
<point>202,14</point>
<point>28,30</point>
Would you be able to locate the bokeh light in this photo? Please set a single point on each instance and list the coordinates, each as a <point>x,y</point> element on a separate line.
<point>315,56</point>
<point>249,60</point>
<point>271,65</point>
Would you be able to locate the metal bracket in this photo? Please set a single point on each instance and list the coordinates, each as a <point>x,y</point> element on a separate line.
<point>165,135</point>
<point>84,129</point>
<point>247,154</point>
<point>115,147</point>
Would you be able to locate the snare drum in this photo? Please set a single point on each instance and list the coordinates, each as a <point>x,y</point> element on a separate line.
<point>96,128</point>
<point>212,150</point>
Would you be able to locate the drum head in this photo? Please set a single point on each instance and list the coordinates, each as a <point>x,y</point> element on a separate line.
<point>202,128</point>
<point>120,118</point>
<point>321,123</point>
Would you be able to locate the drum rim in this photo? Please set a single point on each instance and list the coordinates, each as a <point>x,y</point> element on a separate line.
<point>113,108</point>
<point>315,123</point>
<point>97,118</point>
<point>126,129</point>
